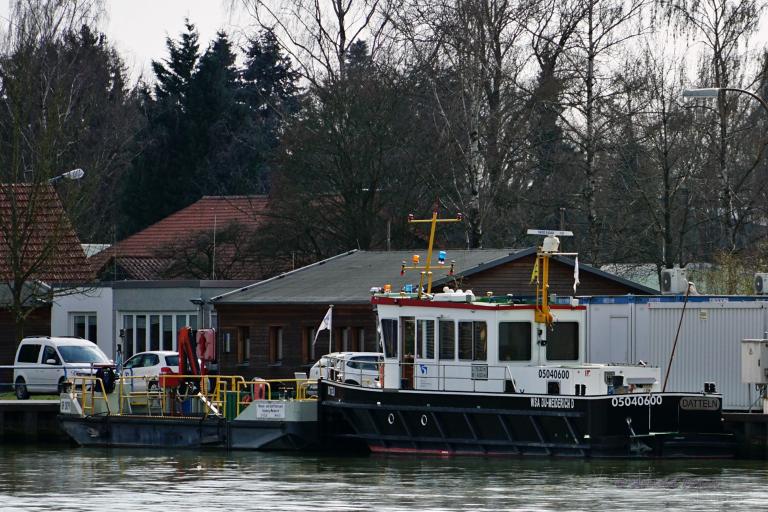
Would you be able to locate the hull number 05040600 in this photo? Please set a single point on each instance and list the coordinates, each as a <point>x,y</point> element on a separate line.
<point>549,373</point>
<point>630,400</point>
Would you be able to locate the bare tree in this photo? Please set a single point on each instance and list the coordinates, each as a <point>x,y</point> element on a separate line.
<point>724,27</point>
<point>604,30</point>
<point>49,109</point>
<point>472,53</point>
<point>318,34</point>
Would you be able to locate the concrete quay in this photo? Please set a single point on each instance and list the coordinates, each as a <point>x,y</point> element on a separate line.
<point>30,421</point>
<point>751,431</point>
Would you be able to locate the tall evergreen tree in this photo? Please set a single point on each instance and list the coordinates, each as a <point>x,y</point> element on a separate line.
<point>270,92</point>
<point>160,181</point>
<point>212,127</point>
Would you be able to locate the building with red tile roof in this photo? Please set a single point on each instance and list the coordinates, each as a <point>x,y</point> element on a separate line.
<point>37,240</point>
<point>41,254</point>
<point>183,245</point>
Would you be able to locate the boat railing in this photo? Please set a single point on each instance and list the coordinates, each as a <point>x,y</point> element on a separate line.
<point>170,394</point>
<point>139,391</point>
<point>88,391</point>
<point>274,389</point>
<point>366,374</point>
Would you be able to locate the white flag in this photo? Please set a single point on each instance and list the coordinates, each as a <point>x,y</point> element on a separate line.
<point>575,275</point>
<point>325,324</point>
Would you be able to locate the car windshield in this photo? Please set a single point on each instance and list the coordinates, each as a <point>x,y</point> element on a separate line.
<point>172,360</point>
<point>80,354</point>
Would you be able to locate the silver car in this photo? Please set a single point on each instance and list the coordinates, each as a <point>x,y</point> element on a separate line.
<point>358,368</point>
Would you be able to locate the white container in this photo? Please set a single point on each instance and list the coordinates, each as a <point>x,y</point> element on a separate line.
<point>631,329</point>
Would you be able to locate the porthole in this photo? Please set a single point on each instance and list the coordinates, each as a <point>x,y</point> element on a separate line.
<point>391,419</point>
<point>423,420</point>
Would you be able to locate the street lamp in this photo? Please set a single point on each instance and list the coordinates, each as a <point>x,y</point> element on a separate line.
<point>713,92</point>
<point>74,174</point>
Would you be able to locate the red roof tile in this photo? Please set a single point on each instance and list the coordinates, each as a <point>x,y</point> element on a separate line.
<point>48,244</point>
<point>139,254</point>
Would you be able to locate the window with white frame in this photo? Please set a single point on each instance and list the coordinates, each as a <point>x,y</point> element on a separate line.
<point>83,325</point>
<point>153,331</point>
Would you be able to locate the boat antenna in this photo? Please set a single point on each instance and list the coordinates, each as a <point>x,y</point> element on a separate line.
<point>426,270</point>
<point>677,336</point>
<point>549,247</point>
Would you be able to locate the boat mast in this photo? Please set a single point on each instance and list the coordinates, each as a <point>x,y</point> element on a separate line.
<point>549,247</point>
<point>426,270</point>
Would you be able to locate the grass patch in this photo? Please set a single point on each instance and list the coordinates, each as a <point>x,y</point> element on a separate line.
<point>12,396</point>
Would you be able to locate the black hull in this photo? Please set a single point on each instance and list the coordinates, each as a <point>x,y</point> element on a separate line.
<point>194,433</point>
<point>442,423</point>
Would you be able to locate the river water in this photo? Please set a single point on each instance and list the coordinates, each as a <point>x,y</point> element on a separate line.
<point>73,479</point>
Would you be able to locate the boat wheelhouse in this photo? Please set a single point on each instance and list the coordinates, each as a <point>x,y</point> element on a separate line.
<point>499,375</point>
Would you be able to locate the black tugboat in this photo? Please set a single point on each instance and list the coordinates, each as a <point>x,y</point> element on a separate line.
<point>495,376</point>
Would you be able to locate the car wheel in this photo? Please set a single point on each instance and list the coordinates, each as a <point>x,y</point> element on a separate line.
<point>21,389</point>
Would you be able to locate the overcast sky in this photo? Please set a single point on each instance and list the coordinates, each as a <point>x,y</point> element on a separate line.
<point>139,27</point>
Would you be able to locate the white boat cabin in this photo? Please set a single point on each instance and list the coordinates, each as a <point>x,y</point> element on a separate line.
<point>454,341</point>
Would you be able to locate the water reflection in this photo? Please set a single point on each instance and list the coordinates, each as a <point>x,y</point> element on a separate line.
<point>76,479</point>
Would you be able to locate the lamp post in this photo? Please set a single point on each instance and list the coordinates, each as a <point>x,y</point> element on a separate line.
<point>714,92</point>
<point>74,174</point>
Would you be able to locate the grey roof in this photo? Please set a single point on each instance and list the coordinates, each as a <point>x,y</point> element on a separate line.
<point>348,278</point>
<point>583,267</point>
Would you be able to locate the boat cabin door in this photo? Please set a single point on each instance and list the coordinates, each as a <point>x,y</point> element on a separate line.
<point>390,341</point>
<point>408,358</point>
<point>425,370</point>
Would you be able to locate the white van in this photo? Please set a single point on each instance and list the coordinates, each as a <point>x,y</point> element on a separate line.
<point>43,364</point>
<point>358,368</point>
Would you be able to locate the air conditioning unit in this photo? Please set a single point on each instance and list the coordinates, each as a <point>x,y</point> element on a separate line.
<point>674,281</point>
<point>761,283</point>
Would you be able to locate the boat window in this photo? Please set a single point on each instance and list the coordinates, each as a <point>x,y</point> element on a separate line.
<point>425,339</point>
<point>480,345</point>
<point>473,341</point>
<point>563,342</point>
<point>447,340</point>
<point>389,336</point>
<point>514,341</point>
<point>409,336</point>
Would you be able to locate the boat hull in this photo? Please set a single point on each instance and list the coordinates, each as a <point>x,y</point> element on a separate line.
<point>440,423</point>
<point>191,432</point>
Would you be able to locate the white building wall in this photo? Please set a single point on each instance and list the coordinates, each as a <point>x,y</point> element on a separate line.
<point>96,301</point>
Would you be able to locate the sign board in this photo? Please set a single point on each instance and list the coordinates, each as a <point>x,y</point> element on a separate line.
<point>549,232</point>
<point>479,372</point>
<point>695,403</point>
<point>270,410</point>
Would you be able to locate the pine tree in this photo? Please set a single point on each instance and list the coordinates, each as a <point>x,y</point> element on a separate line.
<point>270,94</point>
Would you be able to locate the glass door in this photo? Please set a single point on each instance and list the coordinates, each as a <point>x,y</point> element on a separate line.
<point>424,368</point>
